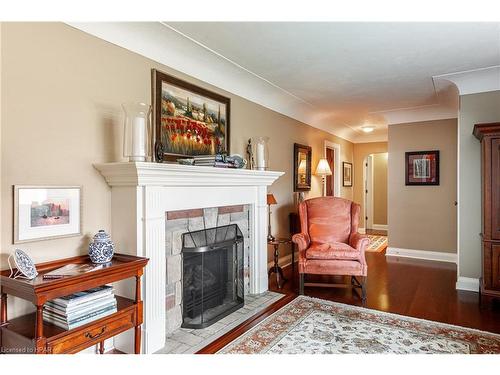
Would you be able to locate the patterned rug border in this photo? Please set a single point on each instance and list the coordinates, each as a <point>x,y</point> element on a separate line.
<point>380,248</point>
<point>353,308</point>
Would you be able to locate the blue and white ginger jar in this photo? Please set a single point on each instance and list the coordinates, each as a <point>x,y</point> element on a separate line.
<point>101,249</point>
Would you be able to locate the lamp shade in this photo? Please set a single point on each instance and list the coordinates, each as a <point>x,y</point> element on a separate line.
<point>323,169</point>
<point>271,199</point>
<point>302,169</point>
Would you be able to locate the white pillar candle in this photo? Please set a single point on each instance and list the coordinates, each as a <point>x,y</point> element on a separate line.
<point>139,139</point>
<point>261,162</point>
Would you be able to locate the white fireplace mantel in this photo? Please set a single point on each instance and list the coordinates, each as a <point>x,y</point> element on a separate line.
<point>144,174</point>
<point>142,192</point>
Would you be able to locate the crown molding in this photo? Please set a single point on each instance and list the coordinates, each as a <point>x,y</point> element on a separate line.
<point>474,81</point>
<point>419,114</point>
<point>165,45</point>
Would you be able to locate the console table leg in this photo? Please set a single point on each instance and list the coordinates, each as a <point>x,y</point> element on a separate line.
<point>137,329</point>
<point>3,316</point>
<point>39,339</point>
<point>3,311</point>
<point>101,347</point>
<point>137,342</point>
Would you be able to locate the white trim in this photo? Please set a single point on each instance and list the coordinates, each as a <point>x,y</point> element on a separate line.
<point>419,114</point>
<point>336,168</point>
<point>474,81</point>
<point>467,283</point>
<point>162,174</point>
<point>368,184</point>
<point>362,230</point>
<point>438,256</point>
<point>379,226</point>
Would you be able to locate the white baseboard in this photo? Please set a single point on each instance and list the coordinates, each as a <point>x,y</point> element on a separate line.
<point>467,283</point>
<point>379,226</point>
<point>422,254</point>
<point>362,230</point>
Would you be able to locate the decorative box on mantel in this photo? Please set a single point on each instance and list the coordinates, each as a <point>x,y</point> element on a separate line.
<point>142,193</point>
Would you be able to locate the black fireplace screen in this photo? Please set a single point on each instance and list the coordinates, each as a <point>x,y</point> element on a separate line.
<point>212,275</point>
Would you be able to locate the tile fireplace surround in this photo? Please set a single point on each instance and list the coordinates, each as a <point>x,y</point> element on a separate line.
<point>142,193</point>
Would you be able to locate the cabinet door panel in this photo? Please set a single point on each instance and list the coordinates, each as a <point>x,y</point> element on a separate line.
<point>495,188</point>
<point>495,266</point>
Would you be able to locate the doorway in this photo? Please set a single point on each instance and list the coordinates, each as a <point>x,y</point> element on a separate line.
<point>332,155</point>
<point>375,197</point>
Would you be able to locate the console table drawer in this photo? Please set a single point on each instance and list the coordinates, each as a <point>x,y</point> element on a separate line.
<point>88,335</point>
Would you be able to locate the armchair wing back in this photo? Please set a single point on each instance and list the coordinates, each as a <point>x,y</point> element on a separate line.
<point>329,219</point>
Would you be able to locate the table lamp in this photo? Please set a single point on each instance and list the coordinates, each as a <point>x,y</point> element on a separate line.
<point>270,200</point>
<point>323,169</point>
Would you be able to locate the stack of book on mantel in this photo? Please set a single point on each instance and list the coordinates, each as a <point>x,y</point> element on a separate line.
<point>219,161</point>
<point>80,308</point>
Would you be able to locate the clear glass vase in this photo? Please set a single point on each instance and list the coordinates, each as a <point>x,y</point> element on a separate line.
<point>137,131</point>
<point>260,146</point>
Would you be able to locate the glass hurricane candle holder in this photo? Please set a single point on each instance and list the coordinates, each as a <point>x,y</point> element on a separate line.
<point>137,131</point>
<point>261,153</point>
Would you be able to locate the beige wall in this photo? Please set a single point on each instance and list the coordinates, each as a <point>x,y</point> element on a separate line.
<point>62,114</point>
<point>423,217</point>
<point>474,109</point>
<point>361,151</point>
<point>380,189</point>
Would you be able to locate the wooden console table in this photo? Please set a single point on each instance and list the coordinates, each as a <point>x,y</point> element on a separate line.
<point>30,334</point>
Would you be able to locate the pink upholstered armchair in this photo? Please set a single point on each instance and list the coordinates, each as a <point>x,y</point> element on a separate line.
<point>330,243</point>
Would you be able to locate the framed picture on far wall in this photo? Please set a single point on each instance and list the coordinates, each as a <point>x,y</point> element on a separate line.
<point>189,120</point>
<point>346,174</point>
<point>46,212</point>
<point>422,168</point>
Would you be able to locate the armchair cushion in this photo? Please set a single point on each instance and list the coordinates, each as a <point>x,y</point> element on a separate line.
<point>332,251</point>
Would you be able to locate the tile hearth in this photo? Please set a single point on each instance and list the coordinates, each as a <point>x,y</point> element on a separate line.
<point>188,341</point>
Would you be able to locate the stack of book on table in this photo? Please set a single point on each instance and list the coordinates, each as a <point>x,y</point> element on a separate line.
<point>80,308</point>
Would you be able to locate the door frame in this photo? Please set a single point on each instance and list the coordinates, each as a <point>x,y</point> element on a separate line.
<point>336,167</point>
<point>368,190</point>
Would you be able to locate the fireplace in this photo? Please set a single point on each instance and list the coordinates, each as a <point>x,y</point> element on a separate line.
<point>212,275</point>
<point>141,194</point>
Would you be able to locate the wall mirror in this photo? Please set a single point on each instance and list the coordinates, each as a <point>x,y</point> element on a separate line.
<point>301,167</point>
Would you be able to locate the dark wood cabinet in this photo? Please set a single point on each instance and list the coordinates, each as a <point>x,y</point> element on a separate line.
<point>489,135</point>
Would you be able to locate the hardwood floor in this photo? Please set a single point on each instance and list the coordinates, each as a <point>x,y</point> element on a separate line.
<point>417,288</point>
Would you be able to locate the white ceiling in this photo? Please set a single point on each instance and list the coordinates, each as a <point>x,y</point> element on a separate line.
<point>335,76</point>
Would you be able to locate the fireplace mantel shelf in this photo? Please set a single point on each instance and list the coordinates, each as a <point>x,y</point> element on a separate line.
<point>156,174</point>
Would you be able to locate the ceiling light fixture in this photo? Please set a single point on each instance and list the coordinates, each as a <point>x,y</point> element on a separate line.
<point>368,128</point>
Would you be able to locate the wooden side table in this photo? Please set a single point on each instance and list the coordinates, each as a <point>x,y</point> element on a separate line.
<point>276,268</point>
<point>30,334</point>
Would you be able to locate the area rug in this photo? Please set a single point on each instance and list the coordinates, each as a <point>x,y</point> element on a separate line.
<point>377,243</point>
<point>313,326</point>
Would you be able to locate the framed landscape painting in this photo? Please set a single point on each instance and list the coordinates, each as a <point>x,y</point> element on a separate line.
<point>189,120</point>
<point>346,174</point>
<point>46,212</point>
<point>422,168</point>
